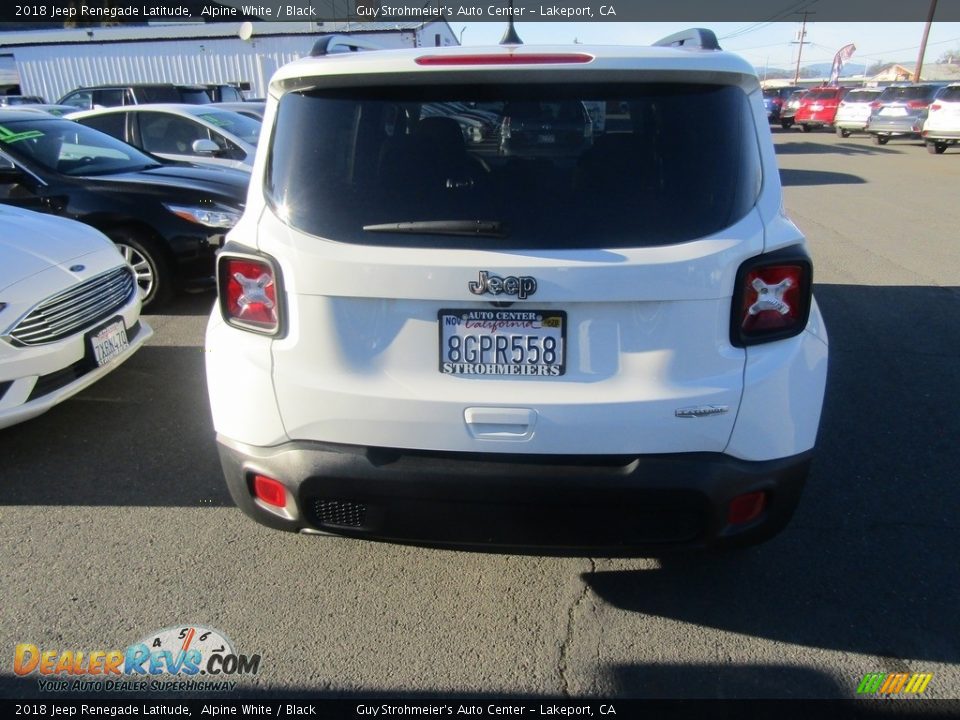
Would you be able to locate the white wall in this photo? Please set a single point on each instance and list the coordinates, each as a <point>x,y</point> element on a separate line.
<point>52,71</point>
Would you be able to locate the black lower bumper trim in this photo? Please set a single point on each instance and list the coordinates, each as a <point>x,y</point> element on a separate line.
<point>613,505</point>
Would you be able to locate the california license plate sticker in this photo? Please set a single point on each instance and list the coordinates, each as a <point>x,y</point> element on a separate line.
<point>109,342</point>
<point>502,342</point>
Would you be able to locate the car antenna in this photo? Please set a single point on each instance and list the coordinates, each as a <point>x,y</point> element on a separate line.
<point>510,37</point>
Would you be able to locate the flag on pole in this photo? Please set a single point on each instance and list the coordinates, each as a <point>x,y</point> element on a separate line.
<point>843,54</point>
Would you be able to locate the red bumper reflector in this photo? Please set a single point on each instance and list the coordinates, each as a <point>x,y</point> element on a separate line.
<point>745,508</point>
<point>511,59</point>
<point>270,491</point>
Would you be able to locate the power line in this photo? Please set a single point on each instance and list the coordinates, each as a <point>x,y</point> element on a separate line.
<point>860,56</point>
<point>912,47</point>
<point>779,15</point>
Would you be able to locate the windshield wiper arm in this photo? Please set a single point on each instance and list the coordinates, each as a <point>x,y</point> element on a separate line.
<point>484,228</point>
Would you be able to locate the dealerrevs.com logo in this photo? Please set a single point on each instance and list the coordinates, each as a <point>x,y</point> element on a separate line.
<point>185,658</point>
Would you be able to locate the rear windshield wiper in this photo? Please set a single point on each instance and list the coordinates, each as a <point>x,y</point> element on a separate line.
<point>484,228</point>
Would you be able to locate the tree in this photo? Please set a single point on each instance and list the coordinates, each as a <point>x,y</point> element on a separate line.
<point>950,56</point>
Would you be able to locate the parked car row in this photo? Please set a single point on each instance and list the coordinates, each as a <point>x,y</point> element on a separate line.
<point>166,218</point>
<point>96,230</point>
<point>921,110</point>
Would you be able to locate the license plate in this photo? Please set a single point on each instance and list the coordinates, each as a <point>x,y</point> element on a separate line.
<point>500,342</point>
<point>109,341</point>
<point>546,139</point>
<point>816,107</point>
<point>895,111</point>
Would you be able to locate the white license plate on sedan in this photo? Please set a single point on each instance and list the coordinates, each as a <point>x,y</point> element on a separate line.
<point>108,341</point>
<point>501,342</point>
<point>894,111</point>
<point>546,139</point>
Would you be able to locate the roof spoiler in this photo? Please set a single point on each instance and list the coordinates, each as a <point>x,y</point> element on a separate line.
<point>330,44</point>
<point>691,39</point>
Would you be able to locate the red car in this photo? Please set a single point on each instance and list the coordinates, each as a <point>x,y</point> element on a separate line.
<point>819,107</point>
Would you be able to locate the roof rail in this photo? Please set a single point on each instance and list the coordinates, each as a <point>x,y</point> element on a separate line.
<point>330,44</point>
<point>691,39</point>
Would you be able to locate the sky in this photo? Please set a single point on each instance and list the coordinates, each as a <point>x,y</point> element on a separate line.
<point>763,44</point>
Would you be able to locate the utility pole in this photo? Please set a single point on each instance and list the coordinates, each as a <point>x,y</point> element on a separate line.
<point>802,40</point>
<point>923,43</point>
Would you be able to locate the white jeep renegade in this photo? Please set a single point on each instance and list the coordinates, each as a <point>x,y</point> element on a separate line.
<point>523,298</point>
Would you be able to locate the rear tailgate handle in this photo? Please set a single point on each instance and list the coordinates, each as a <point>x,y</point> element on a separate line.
<point>500,423</point>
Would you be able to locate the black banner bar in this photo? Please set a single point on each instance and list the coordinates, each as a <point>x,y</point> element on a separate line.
<point>393,709</point>
<point>79,12</point>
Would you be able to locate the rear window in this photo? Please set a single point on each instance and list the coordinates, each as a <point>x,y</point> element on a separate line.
<point>194,96</point>
<point>532,166</point>
<point>778,92</point>
<point>821,94</point>
<point>229,94</point>
<point>950,93</point>
<point>157,95</point>
<point>907,93</point>
<point>859,96</point>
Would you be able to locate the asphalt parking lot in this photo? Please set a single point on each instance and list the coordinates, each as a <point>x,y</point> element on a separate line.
<point>115,521</point>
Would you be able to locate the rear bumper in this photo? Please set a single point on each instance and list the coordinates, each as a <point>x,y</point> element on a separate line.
<point>610,505</point>
<point>936,134</point>
<point>900,126</point>
<point>850,124</point>
<point>815,118</point>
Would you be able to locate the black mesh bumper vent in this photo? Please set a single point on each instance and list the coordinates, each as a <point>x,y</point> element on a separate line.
<point>341,513</point>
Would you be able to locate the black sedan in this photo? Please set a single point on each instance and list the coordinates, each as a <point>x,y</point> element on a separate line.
<point>167,219</point>
<point>774,99</point>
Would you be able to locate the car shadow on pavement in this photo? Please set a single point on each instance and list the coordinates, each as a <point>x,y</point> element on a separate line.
<point>869,561</point>
<point>140,436</point>
<point>796,178</point>
<point>839,148</point>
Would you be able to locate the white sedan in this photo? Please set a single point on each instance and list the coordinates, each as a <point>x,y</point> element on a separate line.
<point>69,311</point>
<point>198,134</point>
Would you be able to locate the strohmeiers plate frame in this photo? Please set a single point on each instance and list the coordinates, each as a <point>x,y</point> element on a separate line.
<point>561,315</point>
